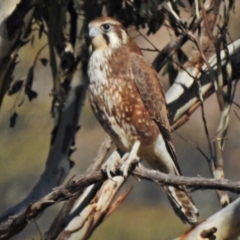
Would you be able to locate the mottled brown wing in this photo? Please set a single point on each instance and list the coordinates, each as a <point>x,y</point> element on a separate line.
<point>153,97</point>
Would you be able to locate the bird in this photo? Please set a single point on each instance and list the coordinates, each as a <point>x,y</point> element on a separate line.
<point>128,100</point>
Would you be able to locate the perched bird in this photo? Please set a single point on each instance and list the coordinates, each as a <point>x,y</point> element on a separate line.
<point>128,100</point>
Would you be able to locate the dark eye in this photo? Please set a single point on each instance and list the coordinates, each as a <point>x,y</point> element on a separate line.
<point>105,27</point>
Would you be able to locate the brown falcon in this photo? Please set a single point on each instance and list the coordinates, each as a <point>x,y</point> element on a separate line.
<point>128,100</point>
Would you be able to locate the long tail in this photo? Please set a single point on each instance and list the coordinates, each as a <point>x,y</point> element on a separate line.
<point>182,204</point>
<point>179,198</point>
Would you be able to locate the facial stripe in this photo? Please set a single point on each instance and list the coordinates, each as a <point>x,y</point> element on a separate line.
<point>113,38</point>
<point>106,37</point>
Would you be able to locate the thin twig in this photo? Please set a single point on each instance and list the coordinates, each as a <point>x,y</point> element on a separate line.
<point>193,145</point>
<point>236,115</point>
<point>204,120</point>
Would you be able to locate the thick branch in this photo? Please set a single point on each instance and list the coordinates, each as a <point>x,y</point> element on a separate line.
<point>222,225</point>
<point>10,228</point>
<point>184,93</point>
<point>66,125</point>
<point>78,202</point>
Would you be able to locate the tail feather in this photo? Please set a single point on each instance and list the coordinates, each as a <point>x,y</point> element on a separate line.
<point>182,204</point>
<point>165,160</point>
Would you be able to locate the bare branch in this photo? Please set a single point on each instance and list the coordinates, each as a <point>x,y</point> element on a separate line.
<point>80,182</point>
<point>83,225</point>
<point>61,220</point>
<point>181,97</point>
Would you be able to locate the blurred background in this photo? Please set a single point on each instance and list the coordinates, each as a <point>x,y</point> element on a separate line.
<point>146,213</point>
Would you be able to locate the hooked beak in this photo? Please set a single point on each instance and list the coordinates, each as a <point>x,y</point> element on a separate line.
<point>93,32</point>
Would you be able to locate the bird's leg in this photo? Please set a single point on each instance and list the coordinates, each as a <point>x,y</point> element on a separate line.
<point>112,163</point>
<point>130,158</point>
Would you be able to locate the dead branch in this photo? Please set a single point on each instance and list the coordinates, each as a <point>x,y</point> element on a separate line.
<point>83,225</point>
<point>73,204</point>
<point>80,182</point>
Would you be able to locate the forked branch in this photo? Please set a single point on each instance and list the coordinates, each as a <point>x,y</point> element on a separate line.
<point>82,181</point>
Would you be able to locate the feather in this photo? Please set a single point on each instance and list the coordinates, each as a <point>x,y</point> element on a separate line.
<point>128,100</point>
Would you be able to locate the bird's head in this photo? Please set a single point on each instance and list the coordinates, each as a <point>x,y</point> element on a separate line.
<point>106,32</point>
